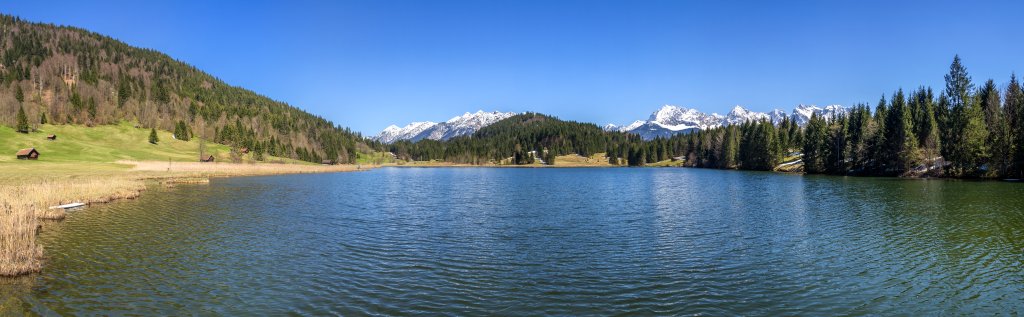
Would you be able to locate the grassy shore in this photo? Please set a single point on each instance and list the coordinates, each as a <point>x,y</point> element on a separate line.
<point>97,165</point>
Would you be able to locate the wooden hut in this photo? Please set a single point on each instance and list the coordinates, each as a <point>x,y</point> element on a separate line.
<point>28,154</point>
<point>208,158</point>
<point>244,150</point>
<point>52,137</point>
<point>327,162</point>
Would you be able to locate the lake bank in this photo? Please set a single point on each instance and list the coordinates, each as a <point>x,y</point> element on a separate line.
<point>30,188</point>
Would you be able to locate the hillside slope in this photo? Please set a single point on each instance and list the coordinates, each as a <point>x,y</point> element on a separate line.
<point>106,144</point>
<point>72,76</point>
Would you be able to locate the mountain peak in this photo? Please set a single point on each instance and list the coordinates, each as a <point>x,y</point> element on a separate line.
<point>669,119</point>
<point>465,124</point>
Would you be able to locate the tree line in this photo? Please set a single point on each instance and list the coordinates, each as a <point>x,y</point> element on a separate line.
<point>965,131</point>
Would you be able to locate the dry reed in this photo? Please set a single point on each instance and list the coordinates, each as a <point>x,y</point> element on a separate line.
<point>19,253</point>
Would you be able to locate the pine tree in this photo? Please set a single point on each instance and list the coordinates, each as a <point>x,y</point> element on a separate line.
<point>152,136</point>
<point>998,141</point>
<point>925,123</point>
<point>91,107</point>
<point>857,135</point>
<point>815,146</point>
<point>42,118</point>
<point>901,140</point>
<point>879,158</point>
<point>1015,120</point>
<point>22,120</point>
<point>965,122</point>
<point>731,147</point>
<point>19,94</point>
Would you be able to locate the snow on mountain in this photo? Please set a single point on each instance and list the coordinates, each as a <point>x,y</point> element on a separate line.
<point>740,115</point>
<point>802,113</point>
<point>393,133</point>
<point>670,120</point>
<point>465,124</point>
<point>777,116</point>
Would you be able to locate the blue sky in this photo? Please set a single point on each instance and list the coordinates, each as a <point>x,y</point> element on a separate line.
<point>369,64</point>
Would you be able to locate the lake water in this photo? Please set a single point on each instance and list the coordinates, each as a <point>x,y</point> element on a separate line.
<point>501,241</point>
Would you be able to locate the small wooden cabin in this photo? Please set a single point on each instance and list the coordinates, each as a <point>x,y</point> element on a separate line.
<point>327,162</point>
<point>51,137</point>
<point>244,150</point>
<point>208,158</point>
<point>28,154</point>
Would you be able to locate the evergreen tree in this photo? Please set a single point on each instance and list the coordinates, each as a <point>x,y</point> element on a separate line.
<point>22,120</point>
<point>19,94</point>
<point>835,159</point>
<point>879,158</point>
<point>152,136</point>
<point>731,146</point>
<point>42,118</point>
<point>91,108</point>
<point>901,140</point>
<point>926,126</point>
<point>859,121</point>
<point>998,141</point>
<point>815,147</point>
<point>965,122</point>
<point>1014,110</point>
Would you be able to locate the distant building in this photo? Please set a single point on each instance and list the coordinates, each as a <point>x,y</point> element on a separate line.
<point>28,154</point>
<point>327,162</point>
<point>51,137</point>
<point>208,158</point>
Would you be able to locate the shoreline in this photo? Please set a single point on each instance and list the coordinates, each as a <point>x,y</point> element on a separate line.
<point>25,200</point>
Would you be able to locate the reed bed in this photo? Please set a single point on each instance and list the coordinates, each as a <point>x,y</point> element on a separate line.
<point>19,253</point>
<point>24,201</point>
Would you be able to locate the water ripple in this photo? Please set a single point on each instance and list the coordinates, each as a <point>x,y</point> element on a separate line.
<point>608,242</point>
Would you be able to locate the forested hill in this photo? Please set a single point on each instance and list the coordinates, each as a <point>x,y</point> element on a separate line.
<point>514,138</point>
<point>67,75</point>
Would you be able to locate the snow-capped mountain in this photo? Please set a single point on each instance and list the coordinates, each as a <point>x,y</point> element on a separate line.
<point>465,124</point>
<point>740,115</point>
<point>670,120</point>
<point>802,113</point>
<point>393,133</point>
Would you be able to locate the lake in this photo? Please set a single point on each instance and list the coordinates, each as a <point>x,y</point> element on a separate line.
<point>509,241</point>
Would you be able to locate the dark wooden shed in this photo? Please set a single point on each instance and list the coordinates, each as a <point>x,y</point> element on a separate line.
<point>51,137</point>
<point>208,158</point>
<point>28,154</point>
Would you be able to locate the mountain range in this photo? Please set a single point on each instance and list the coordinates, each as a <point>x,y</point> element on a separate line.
<point>665,122</point>
<point>465,124</point>
<point>670,120</point>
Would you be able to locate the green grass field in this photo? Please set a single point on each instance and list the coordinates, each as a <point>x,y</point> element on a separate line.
<point>102,144</point>
<point>83,151</point>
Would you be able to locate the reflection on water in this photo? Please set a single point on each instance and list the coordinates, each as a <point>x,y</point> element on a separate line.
<point>539,241</point>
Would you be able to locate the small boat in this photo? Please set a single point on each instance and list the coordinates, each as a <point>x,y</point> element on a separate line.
<point>68,206</point>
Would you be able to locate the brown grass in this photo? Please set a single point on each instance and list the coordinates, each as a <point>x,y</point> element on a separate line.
<point>25,197</point>
<point>19,253</point>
